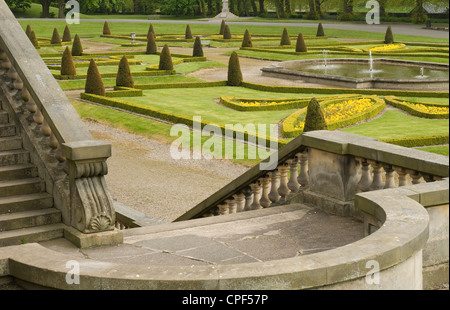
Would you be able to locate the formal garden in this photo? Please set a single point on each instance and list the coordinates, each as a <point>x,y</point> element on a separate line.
<point>130,76</point>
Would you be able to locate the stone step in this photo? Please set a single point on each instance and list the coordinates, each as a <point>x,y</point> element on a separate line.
<point>22,203</point>
<point>14,157</point>
<point>32,234</point>
<point>10,143</point>
<point>7,130</point>
<point>20,171</point>
<point>21,187</point>
<point>26,219</point>
<point>4,117</point>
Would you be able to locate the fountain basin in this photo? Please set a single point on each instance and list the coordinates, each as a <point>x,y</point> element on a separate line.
<point>355,73</point>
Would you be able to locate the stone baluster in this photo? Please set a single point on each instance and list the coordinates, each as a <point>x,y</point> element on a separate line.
<point>256,190</point>
<point>232,206</point>
<point>275,184</point>
<point>428,178</point>
<point>240,201</point>
<point>265,200</point>
<point>303,176</point>
<point>390,177</point>
<point>402,176</point>
<point>284,190</point>
<point>366,176</point>
<point>248,198</point>
<point>53,142</point>
<point>223,208</point>
<point>416,177</point>
<point>293,184</point>
<point>45,129</point>
<point>16,82</point>
<point>377,176</point>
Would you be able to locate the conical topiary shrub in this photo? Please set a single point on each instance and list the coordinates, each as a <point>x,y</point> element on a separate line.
<point>389,37</point>
<point>28,31</point>
<point>247,41</point>
<point>234,71</point>
<point>56,39</point>
<point>124,77</point>
<point>67,37</point>
<point>165,59</point>
<point>77,48</point>
<point>301,45</point>
<point>198,48</point>
<point>94,84</point>
<point>67,64</point>
<point>315,119</point>
<point>106,30</point>
<point>34,39</point>
<point>152,48</point>
<point>150,30</point>
<point>222,27</point>
<point>285,40</point>
<point>188,33</point>
<point>227,33</point>
<point>320,32</point>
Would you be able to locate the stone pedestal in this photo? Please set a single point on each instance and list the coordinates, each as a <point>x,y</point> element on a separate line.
<point>226,14</point>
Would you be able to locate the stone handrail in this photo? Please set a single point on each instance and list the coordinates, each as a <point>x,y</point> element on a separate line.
<point>329,164</point>
<point>54,132</point>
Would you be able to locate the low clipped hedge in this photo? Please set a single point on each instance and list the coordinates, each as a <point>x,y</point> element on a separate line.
<point>396,102</point>
<point>167,116</point>
<point>419,141</point>
<point>120,91</point>
<point>288,126</point>
<point>316,90</point>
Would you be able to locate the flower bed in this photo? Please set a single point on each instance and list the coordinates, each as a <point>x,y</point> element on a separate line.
<point>427,110</point>
<point>338,113</point>
<point>387,47</point>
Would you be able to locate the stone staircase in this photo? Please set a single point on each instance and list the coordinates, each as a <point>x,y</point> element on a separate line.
<point>27,213</point>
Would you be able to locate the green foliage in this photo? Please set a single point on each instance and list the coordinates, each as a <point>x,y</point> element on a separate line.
<point>320,31</point>
<point>152,48</point>
<point>28,31</point>
<point>151,30</point>
<point>67,37</point>
<point>247,41</point>
<point>222,27</point>
<point>315,119</point>
<point>106,30</point>
<point>165,59</point>
<point>77,48</point>
<point>285,40</point>
<point>124,77</point>
<point>234,71</point>
<point>198,49</point>
<point>395,102</point>
<point>188,33</point>
<point>67,65</point>
<point>227,33</point>
<point>94,84</point>
<point>389,37</point>
<point>419,141</point>
<point>301,45</point>
<point>34,39</point>
<point>56,39</point>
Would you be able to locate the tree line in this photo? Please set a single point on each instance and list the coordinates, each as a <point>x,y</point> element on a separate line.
<point>312,9</point>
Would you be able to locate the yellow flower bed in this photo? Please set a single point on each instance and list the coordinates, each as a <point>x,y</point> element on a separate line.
<point>427,109</point>
<point>341,111</point>
<point>388,47</point>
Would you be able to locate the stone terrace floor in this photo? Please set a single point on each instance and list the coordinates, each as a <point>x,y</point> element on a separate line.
<point>264,235</point>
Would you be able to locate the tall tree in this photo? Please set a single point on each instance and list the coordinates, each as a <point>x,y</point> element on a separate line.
<point>45,8</point>
<point>262,9</point>
<point>19,4</point>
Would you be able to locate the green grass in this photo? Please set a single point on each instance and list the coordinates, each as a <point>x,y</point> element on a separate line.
<point>91,29</point>
<point>395,124</point>
<point>151,129</point>
<point>438,149</point>
<point>419,99</point>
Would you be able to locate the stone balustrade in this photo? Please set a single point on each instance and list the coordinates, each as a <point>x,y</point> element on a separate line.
<point>70,161</point>
<point>320,168</point>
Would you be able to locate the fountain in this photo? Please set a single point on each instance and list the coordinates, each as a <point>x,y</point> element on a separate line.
<point>325,54</point>
<point>371,61</point>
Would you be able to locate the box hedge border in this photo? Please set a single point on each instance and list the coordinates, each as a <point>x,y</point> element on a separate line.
<point>419,141</point>
<point>167,116</point>
<point>288,126</point>
<point>393,101</point>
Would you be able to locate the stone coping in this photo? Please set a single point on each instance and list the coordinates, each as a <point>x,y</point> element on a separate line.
<point>404,233</point>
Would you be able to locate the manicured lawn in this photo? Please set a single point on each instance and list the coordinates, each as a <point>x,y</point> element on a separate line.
<point>395,124</point>
<point>438,149</point>
<point>204,102</point>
